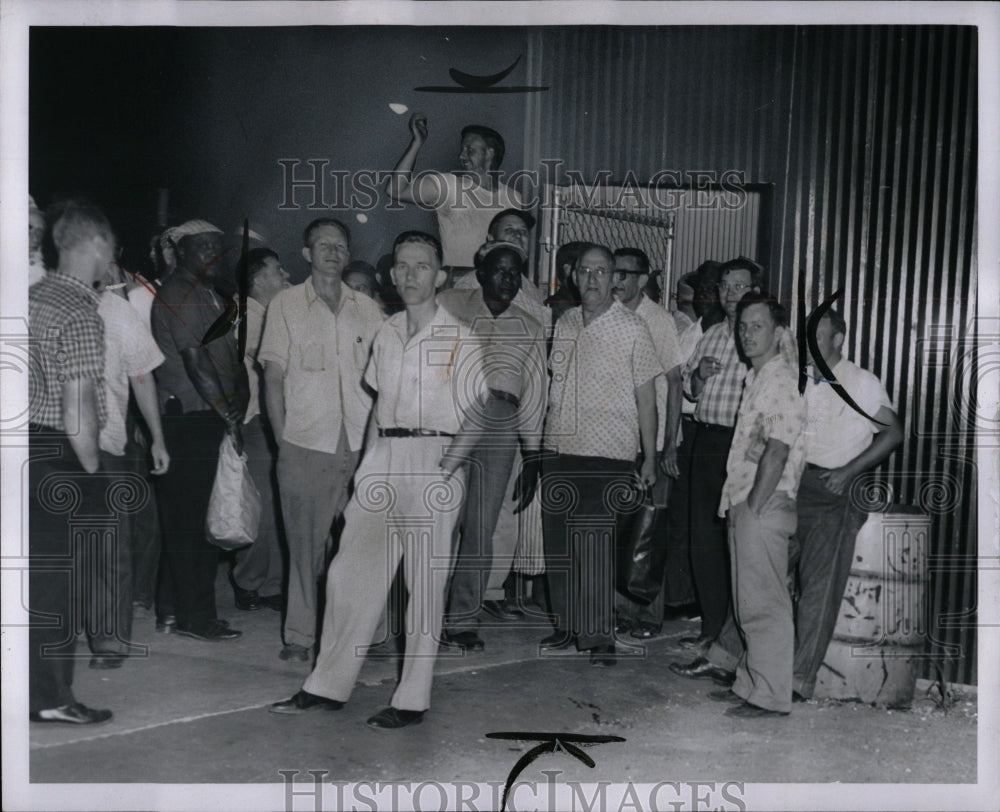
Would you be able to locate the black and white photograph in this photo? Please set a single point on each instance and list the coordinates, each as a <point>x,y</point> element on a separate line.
<point>499,406</point>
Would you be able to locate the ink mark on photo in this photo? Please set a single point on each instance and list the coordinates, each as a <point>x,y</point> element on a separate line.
<point>549,743</point>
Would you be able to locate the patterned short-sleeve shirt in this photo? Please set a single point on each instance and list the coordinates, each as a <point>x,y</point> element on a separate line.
<point>595,371</point>
<point>771,408</point>
<point>67,344</point>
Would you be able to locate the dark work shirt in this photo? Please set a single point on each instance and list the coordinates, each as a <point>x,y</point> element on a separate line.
<point>183,312</point>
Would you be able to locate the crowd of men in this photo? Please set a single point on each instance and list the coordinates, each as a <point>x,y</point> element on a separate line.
<point>439,420</point>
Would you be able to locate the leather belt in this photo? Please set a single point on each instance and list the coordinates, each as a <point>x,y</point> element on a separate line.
<point>500,394</point>
<point>412,433</point>
<point>714,427</point>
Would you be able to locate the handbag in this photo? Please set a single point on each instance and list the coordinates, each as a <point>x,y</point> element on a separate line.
<point>233,517</point>
<point>641,552</point>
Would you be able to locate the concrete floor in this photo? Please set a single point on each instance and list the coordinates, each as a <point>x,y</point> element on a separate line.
<point>216,728</point>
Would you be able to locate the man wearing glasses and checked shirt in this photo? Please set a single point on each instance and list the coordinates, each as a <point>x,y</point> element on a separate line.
<point>713,379</point>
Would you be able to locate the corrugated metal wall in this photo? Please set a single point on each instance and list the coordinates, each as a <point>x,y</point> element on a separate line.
<point>869,136</point>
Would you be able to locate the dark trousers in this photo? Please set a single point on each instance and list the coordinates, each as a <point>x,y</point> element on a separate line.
<point>678,582</point>
<point>145,536</point>
<point>61,495</point>
<point>189,562</point>
<point>488,468</point>
<point>259,567</point>
<point>709,548</point>
<point>819,561</point>
<point>580,499</point>
<point>105,564</point>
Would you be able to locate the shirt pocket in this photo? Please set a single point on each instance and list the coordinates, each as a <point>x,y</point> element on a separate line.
<point>361,352</point>
<point>312,356</point>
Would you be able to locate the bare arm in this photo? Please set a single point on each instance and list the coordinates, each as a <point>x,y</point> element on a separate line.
<point>231,406</point>
<point>274,398</point>
<point>772,463</point>
<point>79,415</point>
<point>884,443</point>
<point>400,186</point>
<point>144,390</point>
<point>645,401</point>
<point>672,419</point>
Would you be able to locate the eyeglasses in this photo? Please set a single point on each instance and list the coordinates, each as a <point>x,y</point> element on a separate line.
<point>621,275</point>
<point>738,287</point>
<point>597,273</point>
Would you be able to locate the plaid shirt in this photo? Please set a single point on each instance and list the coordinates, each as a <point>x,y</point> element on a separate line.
<point>66,344</point>
<point>720,396</point>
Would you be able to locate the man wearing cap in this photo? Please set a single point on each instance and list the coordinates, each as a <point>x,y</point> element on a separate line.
<point>631,276</point>
<point>407,497</point>
<point>258,571</point>
<point>203,393</point>
<point>602,412</point>
<point>316,344</point>
<point>513,352</point>
<point>514,226</point>
<point>465,201</point>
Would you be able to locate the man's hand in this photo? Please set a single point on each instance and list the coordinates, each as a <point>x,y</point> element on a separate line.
<point>709,366</point>
<point>450,463</point>
<point>527,481</point>
<point>668,461</point>
<point>418,128</point>
<point>836,479</point>
<point>161,459</point>
<point>233,430</point>
<point>647,471</point>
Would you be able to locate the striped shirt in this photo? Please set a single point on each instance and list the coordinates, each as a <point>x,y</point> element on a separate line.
<point>720,395</point>
<point>66,344</point>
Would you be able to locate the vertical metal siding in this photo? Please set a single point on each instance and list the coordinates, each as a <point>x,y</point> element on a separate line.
<point>869,135</point>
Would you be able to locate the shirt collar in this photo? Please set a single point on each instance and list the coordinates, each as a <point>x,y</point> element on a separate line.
<point>312,296</point>
<point>75,284</point>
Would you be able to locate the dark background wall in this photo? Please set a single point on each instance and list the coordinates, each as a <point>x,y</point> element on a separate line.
<point>209,113</point>
<point>866,133</point>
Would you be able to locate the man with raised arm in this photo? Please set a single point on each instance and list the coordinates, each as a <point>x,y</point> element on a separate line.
<point>466,200</point>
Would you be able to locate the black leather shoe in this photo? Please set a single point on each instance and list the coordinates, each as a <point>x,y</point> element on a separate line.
<point>644,630</point>
<point>724,695</point>
<point>501,611</point>
<point>246,600</point>
<point>275,602</point>
<point>603,656</point>
<point>391,718</point>
<point>623,626</point>
<point>467,641</point>
<point>304,701</point>
<point>104,662</point>
<point>217,631</point>
<point>699,643</point>
<point>750,711</point>
<point>557,641</point>
<point>75,713</point>
<point>700,668</point>
<point>797,697</point>
<point>166,624</point>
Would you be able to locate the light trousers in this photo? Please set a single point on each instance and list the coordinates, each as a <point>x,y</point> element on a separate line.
<point>403,508</point>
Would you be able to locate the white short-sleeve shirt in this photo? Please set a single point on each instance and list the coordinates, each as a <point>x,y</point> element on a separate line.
<point>836,433</point>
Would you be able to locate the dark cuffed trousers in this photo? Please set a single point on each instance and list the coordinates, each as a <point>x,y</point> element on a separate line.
<point>581,497</point>
<point>189,562</point>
